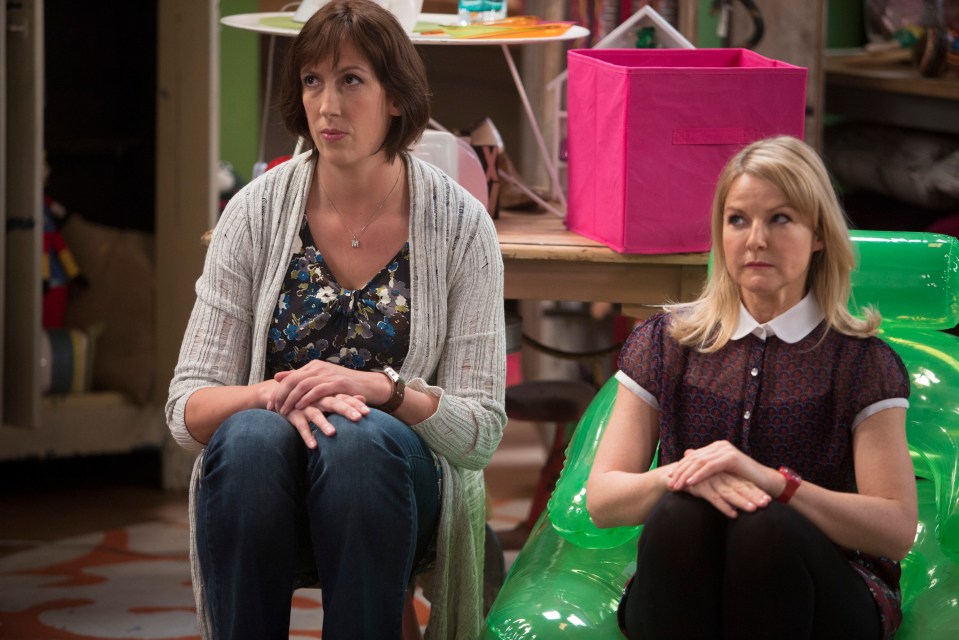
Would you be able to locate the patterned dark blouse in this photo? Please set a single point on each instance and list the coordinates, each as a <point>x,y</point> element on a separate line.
<point>316,318</point>
<point>781,403</point>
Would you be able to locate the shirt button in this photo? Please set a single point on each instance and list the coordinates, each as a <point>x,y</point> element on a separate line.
<point>754,372</point>
<point>747,414</point>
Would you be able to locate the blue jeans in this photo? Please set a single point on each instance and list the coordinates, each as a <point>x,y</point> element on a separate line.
<point>365,502</point>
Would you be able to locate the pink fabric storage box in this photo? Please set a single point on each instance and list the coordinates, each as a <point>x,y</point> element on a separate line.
<point>650,130</point>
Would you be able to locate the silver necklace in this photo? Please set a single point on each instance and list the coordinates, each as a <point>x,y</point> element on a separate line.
<point>355,242</point>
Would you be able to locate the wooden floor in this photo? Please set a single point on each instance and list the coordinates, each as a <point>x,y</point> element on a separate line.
<point>33,518</point>
<point>49,500</point>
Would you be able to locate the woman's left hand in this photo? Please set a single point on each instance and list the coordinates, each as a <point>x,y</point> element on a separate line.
<point>720,456</point>
<point>318,379</point>
<point>729,493</point>
<point>350,407</point>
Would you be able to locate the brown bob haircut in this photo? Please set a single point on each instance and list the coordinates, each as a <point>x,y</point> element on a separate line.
<point>376,34</point>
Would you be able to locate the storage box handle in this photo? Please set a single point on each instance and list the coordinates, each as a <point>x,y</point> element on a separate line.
<point>718,135</point>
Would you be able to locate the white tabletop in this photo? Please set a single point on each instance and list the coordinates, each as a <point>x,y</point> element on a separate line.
<point>254,22</point>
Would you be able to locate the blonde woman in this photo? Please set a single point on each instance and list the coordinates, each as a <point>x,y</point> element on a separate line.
<point>785,494</point>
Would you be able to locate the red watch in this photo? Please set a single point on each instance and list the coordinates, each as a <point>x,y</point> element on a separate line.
<point>793,480</point>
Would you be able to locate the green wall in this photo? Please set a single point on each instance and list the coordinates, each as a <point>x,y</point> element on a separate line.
<point>239,90</point>
<point>844,26</point>
<point>706,37</point>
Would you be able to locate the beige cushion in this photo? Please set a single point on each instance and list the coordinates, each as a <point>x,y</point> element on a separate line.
<point>118,266</point>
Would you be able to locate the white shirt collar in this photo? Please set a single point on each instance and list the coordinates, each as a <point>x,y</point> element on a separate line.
<point>791,326</point>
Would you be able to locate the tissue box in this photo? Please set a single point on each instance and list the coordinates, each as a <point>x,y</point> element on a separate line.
<point>650,130</point>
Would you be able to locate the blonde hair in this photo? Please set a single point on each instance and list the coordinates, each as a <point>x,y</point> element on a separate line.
<point>797,170</point>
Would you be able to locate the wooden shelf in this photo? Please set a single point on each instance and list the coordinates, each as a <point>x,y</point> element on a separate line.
<point>85,424</point>
<point>857,71</point>
<point>890,93</point>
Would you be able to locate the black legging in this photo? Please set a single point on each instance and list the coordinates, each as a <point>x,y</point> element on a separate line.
<point>766,574</point>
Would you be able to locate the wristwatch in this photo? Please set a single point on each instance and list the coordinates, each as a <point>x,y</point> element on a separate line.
<point>399,390</point>
<point>793,480</point>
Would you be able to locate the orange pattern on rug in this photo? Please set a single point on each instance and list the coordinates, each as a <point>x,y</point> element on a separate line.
<point>124,584</point>
<point>133,583</point>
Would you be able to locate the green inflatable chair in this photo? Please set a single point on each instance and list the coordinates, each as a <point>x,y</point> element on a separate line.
<point>568,578</point>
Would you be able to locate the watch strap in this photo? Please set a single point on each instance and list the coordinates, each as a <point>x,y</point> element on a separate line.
<point>793,480</point>
<point>399,390</point>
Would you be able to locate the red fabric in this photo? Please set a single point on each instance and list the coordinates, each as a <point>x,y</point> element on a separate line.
<point>54,307</point>
<point>549,475</point>
<point>622,327</point>
<point>514,368</point>
<point>277,161</point>
<point>948,225</point>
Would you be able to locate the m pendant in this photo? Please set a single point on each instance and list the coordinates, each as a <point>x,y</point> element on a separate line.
<point>355,243</point>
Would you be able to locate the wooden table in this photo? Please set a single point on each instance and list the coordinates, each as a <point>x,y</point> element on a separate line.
<point>546,261</point>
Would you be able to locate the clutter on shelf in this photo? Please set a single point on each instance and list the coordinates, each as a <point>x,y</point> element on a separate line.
<point>917,167</point>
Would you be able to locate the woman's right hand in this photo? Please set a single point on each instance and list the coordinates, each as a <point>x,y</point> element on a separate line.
<point>729,493</point>
<point>318,380</point>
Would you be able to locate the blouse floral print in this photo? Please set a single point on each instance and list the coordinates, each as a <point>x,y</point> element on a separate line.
<point>315,317</point>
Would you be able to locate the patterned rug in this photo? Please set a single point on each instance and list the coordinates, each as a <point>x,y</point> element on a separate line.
<point>134,583</point>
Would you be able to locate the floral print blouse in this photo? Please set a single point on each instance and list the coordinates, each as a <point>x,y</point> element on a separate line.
<point>315,317</point>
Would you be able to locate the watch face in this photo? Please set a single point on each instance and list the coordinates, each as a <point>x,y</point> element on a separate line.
<point>392,374</point>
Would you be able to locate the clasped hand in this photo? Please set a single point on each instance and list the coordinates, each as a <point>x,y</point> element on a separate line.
<point>721,474</point>
<point>316,389</point>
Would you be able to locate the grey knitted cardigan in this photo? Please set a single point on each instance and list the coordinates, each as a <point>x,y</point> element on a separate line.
<point>456,353</point>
